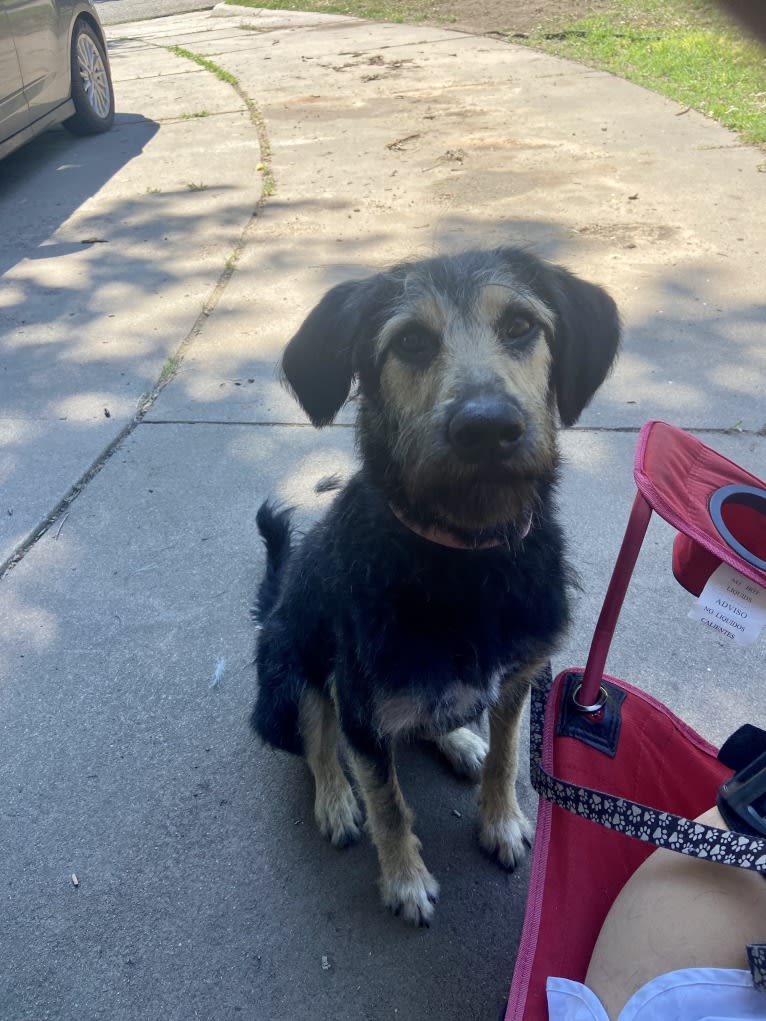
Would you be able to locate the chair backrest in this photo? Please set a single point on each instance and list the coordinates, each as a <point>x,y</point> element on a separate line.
<point>718,509</point>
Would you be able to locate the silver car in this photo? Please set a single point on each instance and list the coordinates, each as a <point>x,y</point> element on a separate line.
<point>54,69</point>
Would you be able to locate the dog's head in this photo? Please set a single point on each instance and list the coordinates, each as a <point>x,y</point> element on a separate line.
<point>462,363</point>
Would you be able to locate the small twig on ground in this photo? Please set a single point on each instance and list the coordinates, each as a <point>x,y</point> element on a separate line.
<point>398,145</point>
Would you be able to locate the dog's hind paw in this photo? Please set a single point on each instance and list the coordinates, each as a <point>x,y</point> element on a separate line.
<point>465,751</point>
<point>507,840</point>
<point>411,897</point>
<point>338,815</point>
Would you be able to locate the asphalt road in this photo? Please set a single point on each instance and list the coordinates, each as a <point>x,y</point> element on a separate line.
<point>117,12</point>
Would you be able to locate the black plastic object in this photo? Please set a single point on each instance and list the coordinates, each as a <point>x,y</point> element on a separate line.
<point>742,800</point>
<point>599,729</point>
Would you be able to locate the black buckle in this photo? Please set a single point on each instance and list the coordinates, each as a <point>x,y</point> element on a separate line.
<point>742,800</point>
<point>597,725</point>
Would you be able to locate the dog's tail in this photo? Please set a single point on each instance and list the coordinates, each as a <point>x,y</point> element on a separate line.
<point>275,714</point>
<point>276,532</point>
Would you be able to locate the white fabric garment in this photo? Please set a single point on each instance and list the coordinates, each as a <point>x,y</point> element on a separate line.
<point>691,994</point>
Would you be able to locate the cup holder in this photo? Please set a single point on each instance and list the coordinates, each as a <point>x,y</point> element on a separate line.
<point>739,515</point>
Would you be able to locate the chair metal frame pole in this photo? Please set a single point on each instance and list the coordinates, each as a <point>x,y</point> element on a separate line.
<point>638,522</point>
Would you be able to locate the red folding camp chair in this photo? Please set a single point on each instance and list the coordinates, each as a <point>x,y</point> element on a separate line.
<point>617,772</point>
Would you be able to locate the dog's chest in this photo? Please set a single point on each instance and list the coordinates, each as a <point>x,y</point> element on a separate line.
<point>430,714</point>
<point>445,648</point>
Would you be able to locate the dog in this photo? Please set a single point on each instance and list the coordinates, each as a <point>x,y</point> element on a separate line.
<point>435,589</point>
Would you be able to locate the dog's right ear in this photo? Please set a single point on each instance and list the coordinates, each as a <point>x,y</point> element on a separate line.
<point>318,363</point>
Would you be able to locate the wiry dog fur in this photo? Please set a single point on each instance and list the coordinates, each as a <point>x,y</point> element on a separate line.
<point>435,588</point>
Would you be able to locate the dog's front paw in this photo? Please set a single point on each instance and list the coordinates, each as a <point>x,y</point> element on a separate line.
<point>465,751</point>
<point>507,839</point>
<point>412,897</point>
<point>338,815</point>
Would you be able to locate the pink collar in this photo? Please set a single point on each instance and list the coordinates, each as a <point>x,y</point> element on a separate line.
<point>444,538</point>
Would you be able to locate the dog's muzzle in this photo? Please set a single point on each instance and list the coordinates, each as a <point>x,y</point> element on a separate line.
<point>485,428</point>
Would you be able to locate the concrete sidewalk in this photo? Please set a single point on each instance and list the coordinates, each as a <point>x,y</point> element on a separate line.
<point>203,887</point>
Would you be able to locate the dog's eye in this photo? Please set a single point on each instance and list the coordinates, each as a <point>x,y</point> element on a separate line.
<point>517,330</point>
<point>415,343</point>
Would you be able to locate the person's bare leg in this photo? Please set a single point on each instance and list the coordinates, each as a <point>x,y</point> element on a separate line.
<point>676,912</point>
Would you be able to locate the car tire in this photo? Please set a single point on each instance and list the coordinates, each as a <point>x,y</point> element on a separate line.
<point>92,91</point>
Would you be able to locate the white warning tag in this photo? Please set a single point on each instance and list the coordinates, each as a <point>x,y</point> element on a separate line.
<point>732,606</point>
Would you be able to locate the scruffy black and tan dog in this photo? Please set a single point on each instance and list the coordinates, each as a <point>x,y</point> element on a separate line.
<point>435,587</point>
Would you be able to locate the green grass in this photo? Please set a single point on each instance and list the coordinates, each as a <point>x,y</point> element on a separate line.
<point>209,65</point>
<point>169,369</point>
<point>682,49</point>
<point>373,10</point>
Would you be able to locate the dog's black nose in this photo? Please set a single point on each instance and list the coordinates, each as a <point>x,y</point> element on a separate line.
<point>485,428</point>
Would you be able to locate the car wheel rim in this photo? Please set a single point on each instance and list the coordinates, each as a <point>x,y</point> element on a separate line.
<point>95,81</point>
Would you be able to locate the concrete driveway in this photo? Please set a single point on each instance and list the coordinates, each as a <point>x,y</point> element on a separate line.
<point>150,278</point>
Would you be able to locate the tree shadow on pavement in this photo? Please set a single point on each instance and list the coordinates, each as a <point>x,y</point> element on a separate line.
<point>203,884</point>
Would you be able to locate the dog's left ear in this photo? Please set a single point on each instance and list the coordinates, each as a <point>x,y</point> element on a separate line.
<point>584,342</point>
